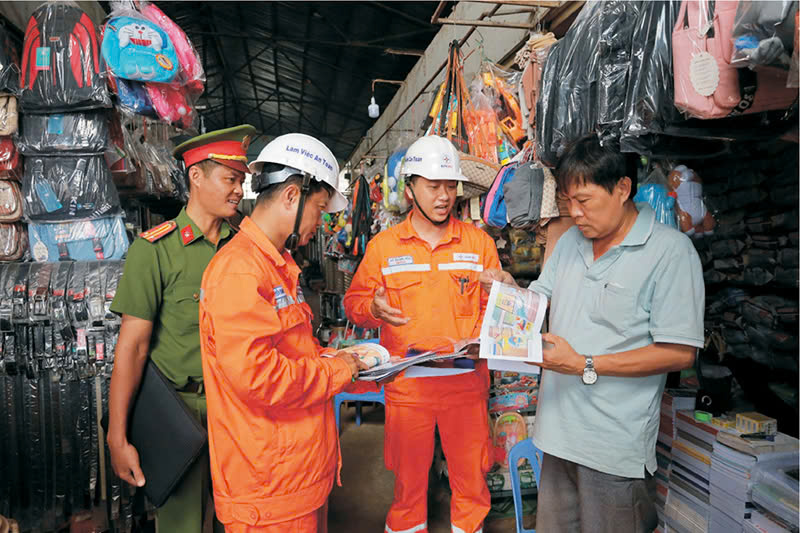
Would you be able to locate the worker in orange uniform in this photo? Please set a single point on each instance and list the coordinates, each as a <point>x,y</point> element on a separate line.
<point>272,434</point>
<point>416,280</point>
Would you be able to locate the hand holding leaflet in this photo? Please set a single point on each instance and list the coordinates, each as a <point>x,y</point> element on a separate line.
<point>512,325</point>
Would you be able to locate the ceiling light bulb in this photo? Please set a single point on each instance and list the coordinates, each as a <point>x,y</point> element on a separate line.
<point>373,109</point>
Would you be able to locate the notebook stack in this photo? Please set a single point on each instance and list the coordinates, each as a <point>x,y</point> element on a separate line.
<point>688,506</point>
<point>672,401</point>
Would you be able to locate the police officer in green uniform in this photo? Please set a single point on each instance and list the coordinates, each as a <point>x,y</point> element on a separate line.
<point>158,299</point>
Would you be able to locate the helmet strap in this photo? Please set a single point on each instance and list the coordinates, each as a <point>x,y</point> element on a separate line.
<point>294,239</point>
<point>419,208</point>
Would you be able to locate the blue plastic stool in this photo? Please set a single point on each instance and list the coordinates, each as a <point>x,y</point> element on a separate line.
<point>358,398</point>
<point>524,449</point>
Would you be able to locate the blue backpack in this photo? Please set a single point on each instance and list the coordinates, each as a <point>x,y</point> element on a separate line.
<point>495,213</point>
<point>83,240</point>
<point>137,49</point>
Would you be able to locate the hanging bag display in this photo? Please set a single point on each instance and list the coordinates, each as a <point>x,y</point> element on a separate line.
<point>61,61</point>
<point>136,49</point>
<point>13,241</point>
<point>9,118</point>
<point>67,188</point>
<point>10,160</point>
<point>79,133</point>
<point>10,201</point>
<point>84,240</point>
<point>706,85</point>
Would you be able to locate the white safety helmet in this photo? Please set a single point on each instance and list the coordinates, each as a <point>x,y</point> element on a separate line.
<point>433,158</point>
<point>299,154</point>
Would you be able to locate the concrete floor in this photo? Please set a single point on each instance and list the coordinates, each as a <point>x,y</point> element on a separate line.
<point>361,503</point>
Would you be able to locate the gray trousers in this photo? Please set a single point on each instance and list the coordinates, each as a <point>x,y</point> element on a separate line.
<point>576,499</point>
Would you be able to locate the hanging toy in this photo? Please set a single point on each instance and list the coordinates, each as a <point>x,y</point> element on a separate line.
<point>393,197</point>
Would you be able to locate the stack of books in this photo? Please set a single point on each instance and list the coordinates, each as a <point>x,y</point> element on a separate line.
<point>672,401</point>
<point>732,465</point>
<point>688,505</point>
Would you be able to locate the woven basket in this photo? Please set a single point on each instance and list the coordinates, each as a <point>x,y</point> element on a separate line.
<point>480,172</point>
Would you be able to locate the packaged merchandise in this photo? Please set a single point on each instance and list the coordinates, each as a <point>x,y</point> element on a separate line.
<point>83,240</point>
<point>59,188</point>
<point>135,48</point>
<point>61,63</point>
<point>83,132</point>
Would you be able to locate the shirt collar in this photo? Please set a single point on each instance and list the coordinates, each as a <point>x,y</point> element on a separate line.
<point>639,233</point>
<point>406,230</point>
<point>642,228</point>
<point>190,232</point>
<point>254,233</point>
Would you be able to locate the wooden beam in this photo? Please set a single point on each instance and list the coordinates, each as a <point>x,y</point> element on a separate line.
<point>526,3</point>
<point>484,23</point>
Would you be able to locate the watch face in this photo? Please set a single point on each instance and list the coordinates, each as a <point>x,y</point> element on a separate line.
<point>589,376</point>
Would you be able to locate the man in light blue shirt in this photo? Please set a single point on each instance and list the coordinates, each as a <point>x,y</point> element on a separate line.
<point>626,307</point>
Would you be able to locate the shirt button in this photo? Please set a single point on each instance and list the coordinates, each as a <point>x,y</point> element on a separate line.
<point>196,297</point>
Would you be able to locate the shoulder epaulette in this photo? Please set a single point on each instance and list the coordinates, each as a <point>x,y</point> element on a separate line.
<point>153,234</point>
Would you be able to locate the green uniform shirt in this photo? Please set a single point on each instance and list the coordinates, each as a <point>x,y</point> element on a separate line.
<point>161,283</point>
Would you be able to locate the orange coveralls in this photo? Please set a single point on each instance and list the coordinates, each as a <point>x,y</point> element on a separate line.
<point>272,435</point>
<point>439,291</point>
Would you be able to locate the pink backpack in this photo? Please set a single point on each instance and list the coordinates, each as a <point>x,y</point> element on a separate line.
<point>171,104</point>
<point>719,90</point>
<point>192,75</point>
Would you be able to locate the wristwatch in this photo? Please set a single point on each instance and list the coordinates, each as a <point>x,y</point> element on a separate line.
<point>589,375</point>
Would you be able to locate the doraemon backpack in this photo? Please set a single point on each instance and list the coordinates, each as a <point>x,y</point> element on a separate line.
<point>137,49</point>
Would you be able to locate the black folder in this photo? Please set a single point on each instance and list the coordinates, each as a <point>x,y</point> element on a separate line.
<point>166,434</point>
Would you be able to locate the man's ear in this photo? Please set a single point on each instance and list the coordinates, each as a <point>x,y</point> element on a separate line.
<point>290,195</point>
<point>625,185</point>
<point>196,175</point>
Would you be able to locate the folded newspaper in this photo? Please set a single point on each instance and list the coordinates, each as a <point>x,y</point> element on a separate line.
<point>383,365</point>
<point>512,326</point>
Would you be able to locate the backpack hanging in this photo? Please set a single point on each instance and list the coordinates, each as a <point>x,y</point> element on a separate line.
<point>13,241</point>
<point>10,201</point>
<point>78,133</point>
<point>494,210</point>
<point>137,49</point>
<point>9,118</point>
<point>10,160</point>
<point>61,61</point>
<point>59,188</point>
<point>84,240</point>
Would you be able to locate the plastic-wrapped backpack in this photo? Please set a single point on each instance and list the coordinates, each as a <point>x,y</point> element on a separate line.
<point>61,61</point>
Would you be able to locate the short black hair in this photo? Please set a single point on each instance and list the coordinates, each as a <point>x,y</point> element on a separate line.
<point>206,165</point>
<point>297,179</point>
<point>587,161</point>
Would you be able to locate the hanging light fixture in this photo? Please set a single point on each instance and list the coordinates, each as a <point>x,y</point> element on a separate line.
<point>373,109</point>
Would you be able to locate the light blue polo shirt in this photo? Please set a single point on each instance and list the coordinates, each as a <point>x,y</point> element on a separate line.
<point>647,289</point>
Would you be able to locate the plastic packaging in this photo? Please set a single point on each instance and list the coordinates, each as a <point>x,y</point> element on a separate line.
<point>9,64</point>
<point>67,188</point>
<point>191,75</point>
<point>13,241</point>
<point>172,104</point>
<point>763,33</point>
<point>79,133</point>
<point>83,240</point>
<point>616,27</point>
<point>9,117</point>
<point>567,106</point>
<point>135,48</point>
<point>10,160</point>
<point>649,102</point>
<point>61,63</point>
<point>132,96</point>
<point>10,201</point>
